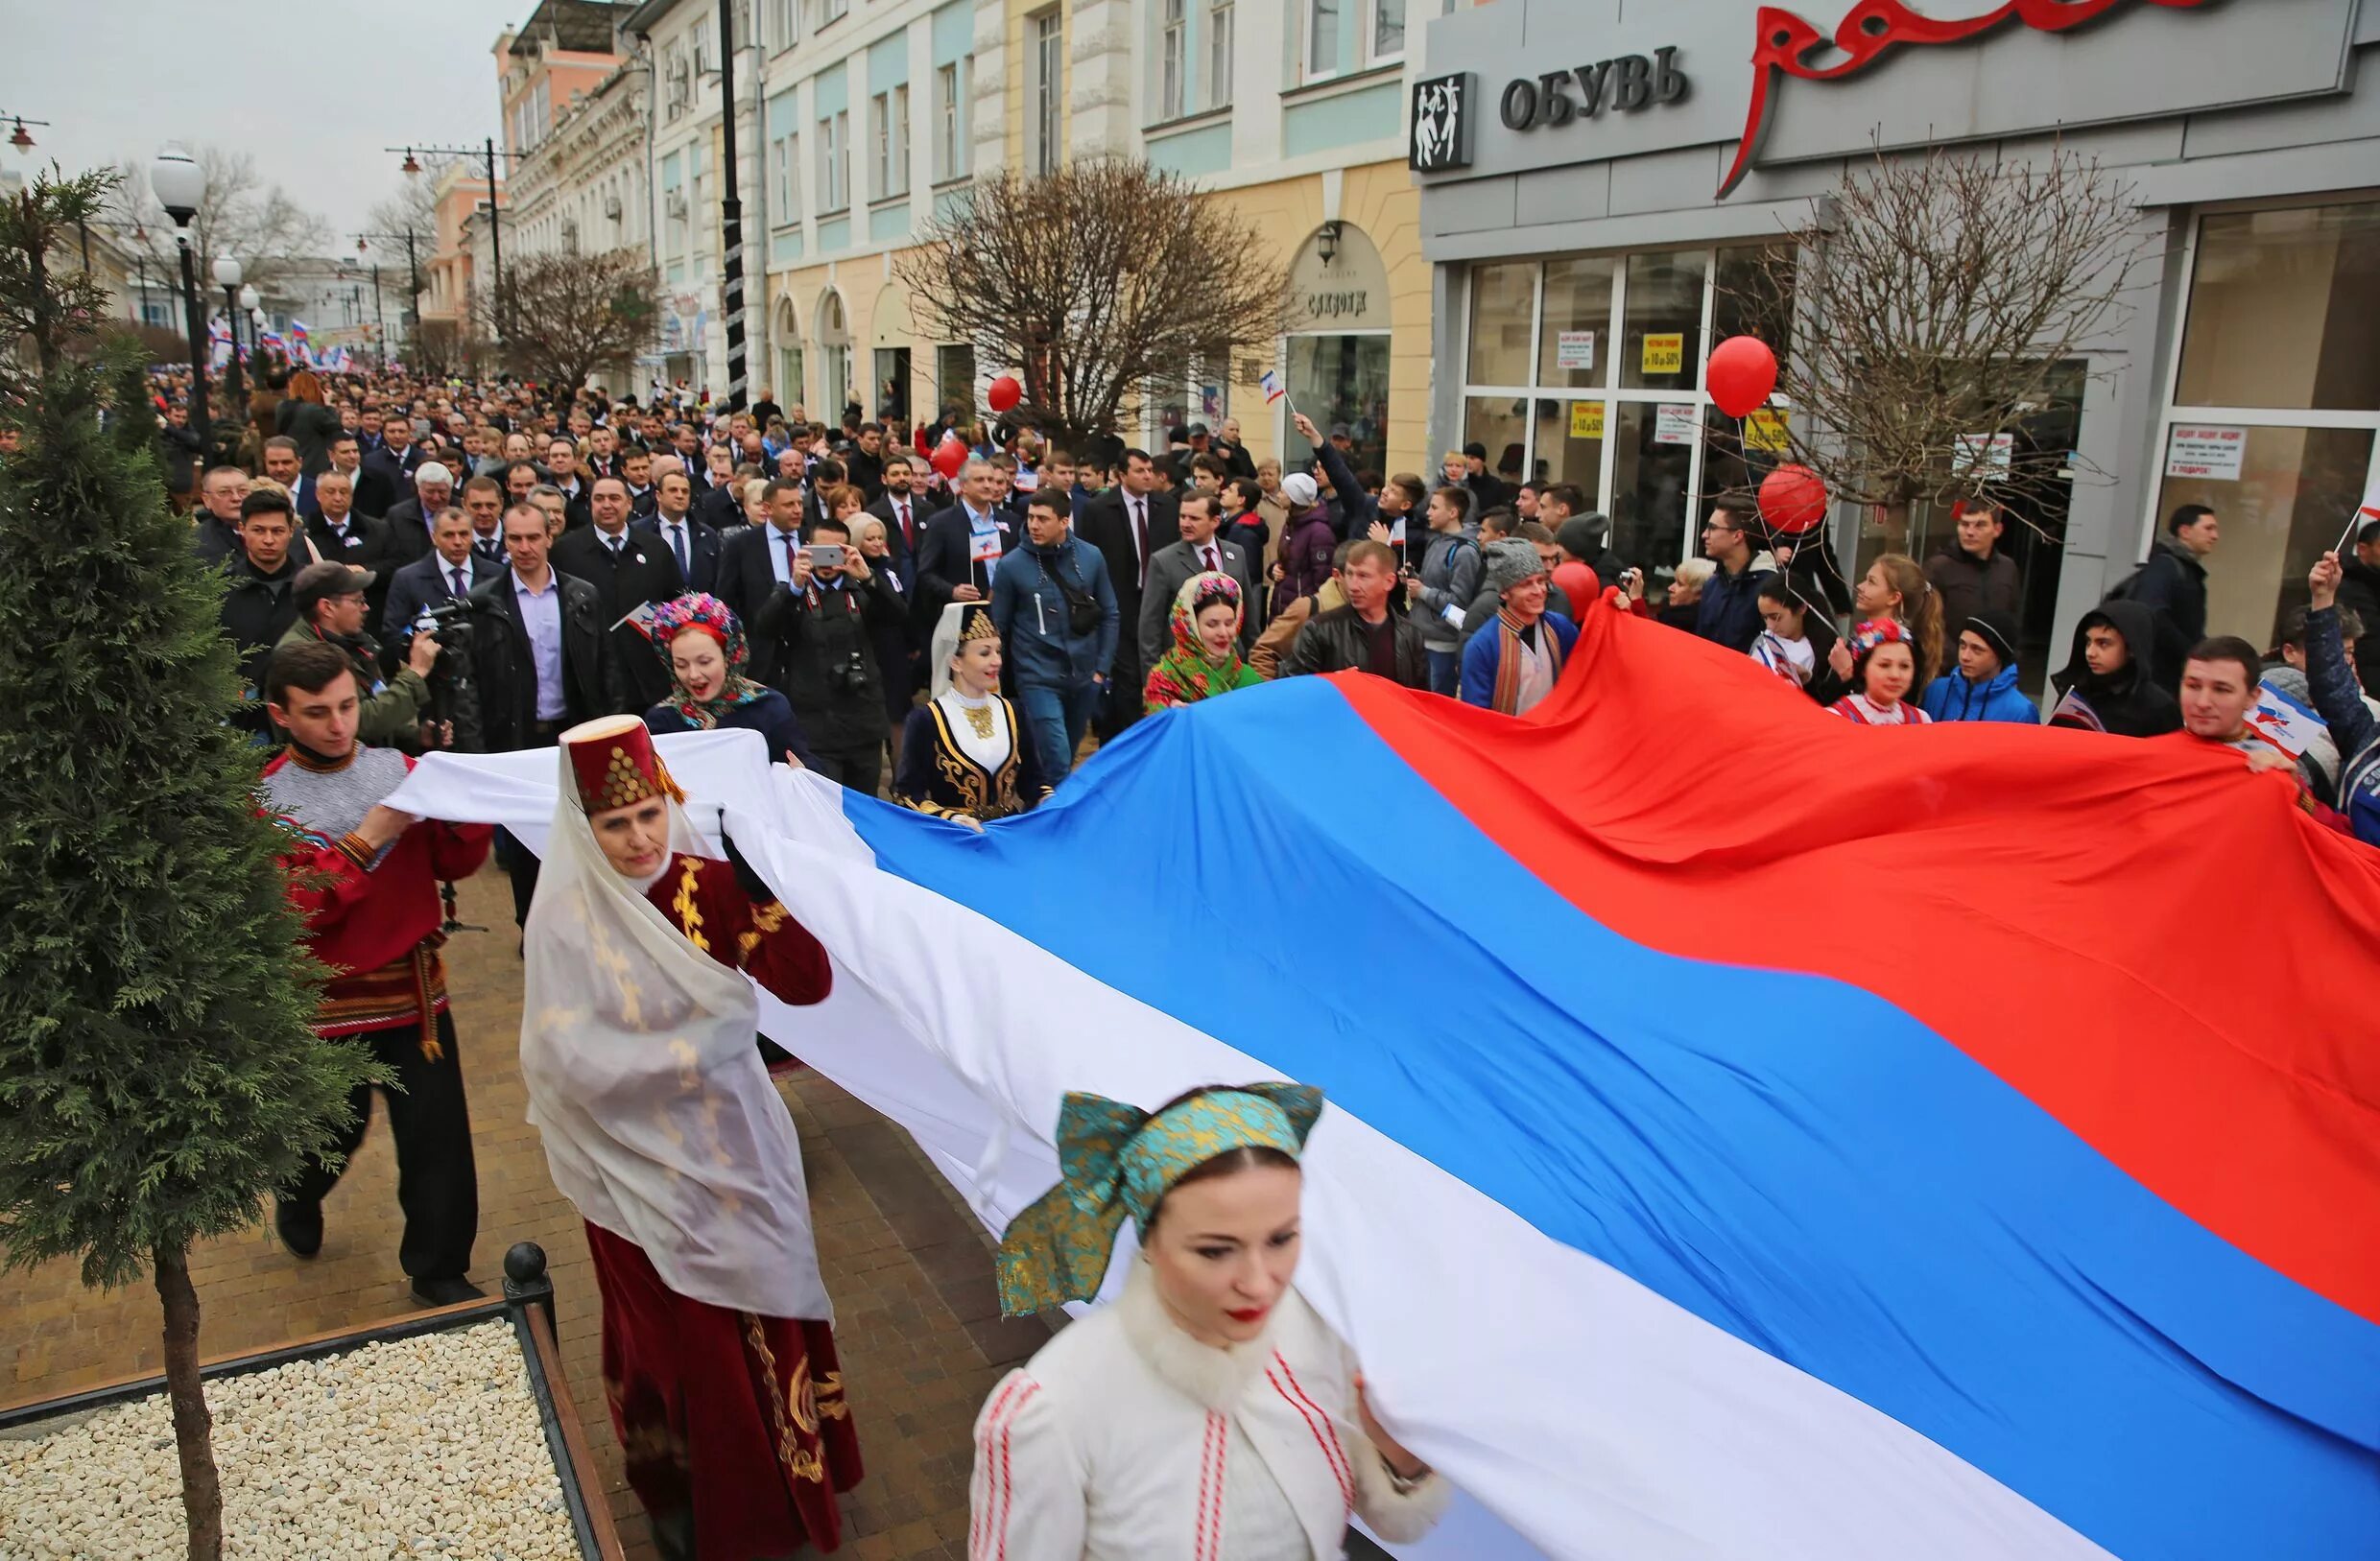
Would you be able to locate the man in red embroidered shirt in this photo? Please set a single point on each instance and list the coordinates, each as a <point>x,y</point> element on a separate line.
<point>365,876</point>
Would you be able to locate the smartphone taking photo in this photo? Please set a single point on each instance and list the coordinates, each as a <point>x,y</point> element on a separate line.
<point>825,555</point>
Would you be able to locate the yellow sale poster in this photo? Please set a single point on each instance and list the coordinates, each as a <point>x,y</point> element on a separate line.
<point>1587,419</point>
<point>1665,354</point>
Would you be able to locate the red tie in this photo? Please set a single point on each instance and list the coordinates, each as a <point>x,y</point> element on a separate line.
<point>907,535</point>
<point>1211,565</point>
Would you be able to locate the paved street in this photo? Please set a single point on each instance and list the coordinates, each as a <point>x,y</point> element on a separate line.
<point>917,1322</point>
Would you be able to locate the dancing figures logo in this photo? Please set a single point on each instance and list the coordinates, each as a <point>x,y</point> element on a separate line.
<point>1441,123</point>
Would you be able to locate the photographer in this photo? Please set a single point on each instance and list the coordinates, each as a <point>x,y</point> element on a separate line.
<point>822,621</point>
<point>390,713</point>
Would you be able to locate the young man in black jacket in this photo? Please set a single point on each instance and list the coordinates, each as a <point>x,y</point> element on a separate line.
<point>1363,636</point>
<point>2173,586</point>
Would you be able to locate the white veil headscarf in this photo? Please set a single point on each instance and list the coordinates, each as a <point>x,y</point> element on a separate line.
<point>944,645</point>
<point>659,1120</point>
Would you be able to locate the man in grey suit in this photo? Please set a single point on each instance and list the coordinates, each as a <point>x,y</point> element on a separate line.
<point>1200,550</point>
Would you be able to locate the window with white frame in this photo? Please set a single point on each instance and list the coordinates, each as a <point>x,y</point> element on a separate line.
<point>828,10</point>
<point>784,23</point>
<point>1218,52</point>
<point>1322,38</point>
<point>1045,90</point>
<point>1173,51</point>
<point>951,126</point>
<point>888,114</point>
<point>835,161</point>
<point>1387,30</point>
<point>784,165</point>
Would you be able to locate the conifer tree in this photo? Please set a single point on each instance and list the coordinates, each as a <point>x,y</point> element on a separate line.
<point>158,1075</point>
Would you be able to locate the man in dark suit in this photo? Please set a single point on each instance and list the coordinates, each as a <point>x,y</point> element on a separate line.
<point>720,505</point>
<point>541,663</point>
<point>693,545</point>
<point>904,519</point>
<point>388,472</point>
<point>753,563</point>
<point>864,461</point>
<point>341,536</point>
<point>603,452</point>
<point>627,571</point>
<point>345,455</point>
<point>1127,525</point>
<point>448,574</point>
<point>562,470</point>
<point>409,522</point>
<point>948,569</point>
<point>1199,551</point>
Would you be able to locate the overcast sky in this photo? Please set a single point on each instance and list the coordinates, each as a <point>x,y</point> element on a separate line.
<point>312,90</point>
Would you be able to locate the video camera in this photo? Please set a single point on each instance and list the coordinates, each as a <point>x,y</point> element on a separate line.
<point>453,698</point>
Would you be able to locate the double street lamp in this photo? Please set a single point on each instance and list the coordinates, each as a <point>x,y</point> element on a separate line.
<point>238,301</point>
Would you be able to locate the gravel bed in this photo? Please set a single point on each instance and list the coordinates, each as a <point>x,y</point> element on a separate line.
<point>419,1448</point>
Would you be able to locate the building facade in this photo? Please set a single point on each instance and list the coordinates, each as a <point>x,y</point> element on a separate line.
<point>1585,228</point>
<point>574,121</point>
<point>455,267</point>
<point>874,115</point>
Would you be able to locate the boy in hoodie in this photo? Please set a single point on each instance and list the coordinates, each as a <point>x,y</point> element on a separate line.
<point>2108,685</point>
<point>1447,580</point>
<point>1984,688</point>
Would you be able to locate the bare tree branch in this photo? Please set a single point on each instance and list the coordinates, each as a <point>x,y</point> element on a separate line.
<point>568,314</point>
<point>1097,282</point>
<point>1939,297</point>
<point>263,229</point>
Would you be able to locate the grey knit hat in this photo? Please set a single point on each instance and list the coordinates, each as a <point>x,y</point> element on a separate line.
<point>1510,561</point>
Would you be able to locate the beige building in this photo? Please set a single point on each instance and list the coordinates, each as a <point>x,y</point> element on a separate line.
<point>872,114</point>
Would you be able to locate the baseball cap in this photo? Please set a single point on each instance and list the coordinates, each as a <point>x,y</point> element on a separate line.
<point>316,581</point>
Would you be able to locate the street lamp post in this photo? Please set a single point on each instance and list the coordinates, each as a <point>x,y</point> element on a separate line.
<point>412,277</point>
<point>178,186</point>
<point>411,168</point>
<point>228,277</point>
<point>732,208</point>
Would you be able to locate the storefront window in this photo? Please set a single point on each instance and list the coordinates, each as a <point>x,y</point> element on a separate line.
<point>1754,297</point>
<point>1570,446</point>
<point>954,376</point>
<point>1342,382</point>
<point>1497,421</point>
<point>1575,350</point>
<point>1503,301</point>
<point>2285,311</point>
<point>2283,510</point>
<point>1661,337</point>
<point>1648,483</point>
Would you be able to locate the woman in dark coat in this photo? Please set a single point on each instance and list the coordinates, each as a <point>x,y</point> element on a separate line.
<point>704,645</point>
<point>305,416</point>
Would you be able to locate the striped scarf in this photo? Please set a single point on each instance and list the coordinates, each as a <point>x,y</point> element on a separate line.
<point>1512,655</point>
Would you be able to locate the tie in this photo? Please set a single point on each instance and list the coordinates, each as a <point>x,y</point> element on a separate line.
<point>791,538</point>
<point>1212,565</point>
<point>907,535</point>
<point>457,573</point>
<point>616,547</point>
<point>1140,531</point>
<point>678,540</point>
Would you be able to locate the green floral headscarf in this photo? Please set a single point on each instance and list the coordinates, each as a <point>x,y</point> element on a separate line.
<point>1116,1159</point>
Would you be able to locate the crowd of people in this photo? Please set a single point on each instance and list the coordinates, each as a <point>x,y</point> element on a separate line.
<point>411,567</point>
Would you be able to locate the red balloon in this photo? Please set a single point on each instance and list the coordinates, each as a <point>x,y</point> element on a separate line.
<point>1743,371</point>
<point>1793,500</point>
<point>1005,392</point>
<point>949,457</point>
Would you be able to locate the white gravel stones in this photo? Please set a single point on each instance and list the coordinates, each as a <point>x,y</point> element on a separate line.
<point>422,1448</point>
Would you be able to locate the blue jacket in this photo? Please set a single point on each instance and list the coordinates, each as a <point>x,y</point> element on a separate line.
<point>1952,698</point>
<point>1481,656</point>
<point>1029,610</point>
<point>2340,703</point>
<point>1729,611</point>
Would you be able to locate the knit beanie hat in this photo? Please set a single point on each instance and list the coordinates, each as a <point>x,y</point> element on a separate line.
<point>1510,561</point>
<point>1582,534</point>
<point>1300,490</point>
<point>1997,629</point>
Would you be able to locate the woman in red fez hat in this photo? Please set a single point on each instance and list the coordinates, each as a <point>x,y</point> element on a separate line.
<point>662,1128</point>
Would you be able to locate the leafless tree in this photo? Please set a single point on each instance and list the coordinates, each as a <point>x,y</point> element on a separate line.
<point>1097,282</point>
<point>565,316</point>
<point>412,208</point>
<point>239,216</point>
<point>1936,302</point>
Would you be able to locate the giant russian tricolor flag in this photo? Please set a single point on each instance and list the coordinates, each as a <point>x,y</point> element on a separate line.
<point>1753,1135</point>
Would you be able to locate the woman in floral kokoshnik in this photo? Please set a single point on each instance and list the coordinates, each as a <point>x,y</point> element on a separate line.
<point>1206,658</point>
<point>702,644</point>
<point>1209,1411</point>
<point>661,1126</point>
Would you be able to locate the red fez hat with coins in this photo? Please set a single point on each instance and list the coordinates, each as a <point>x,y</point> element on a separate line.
<point>613,762</point>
